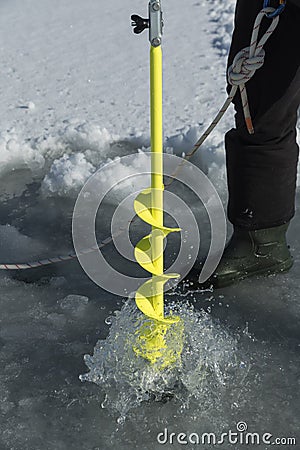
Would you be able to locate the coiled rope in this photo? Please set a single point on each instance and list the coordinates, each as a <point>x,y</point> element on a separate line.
<point>244,66</point>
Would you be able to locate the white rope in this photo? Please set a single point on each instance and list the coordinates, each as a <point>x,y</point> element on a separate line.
<point>248,61</point>
<point>244,66</point>
<point>45,262</point>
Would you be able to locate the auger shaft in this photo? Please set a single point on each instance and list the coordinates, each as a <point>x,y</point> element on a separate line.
<point>157,171</point>
<point>151,342</point>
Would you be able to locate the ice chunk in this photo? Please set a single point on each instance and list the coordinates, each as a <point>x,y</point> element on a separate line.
<point>74,304</point>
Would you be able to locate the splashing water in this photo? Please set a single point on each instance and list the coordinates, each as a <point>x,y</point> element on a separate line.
<point>208,368</point>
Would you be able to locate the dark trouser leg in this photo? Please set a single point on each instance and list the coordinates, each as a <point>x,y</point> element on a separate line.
<point>261,168</point>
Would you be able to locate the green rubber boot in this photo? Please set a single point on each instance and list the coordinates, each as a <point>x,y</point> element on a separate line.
<point>249,253</point>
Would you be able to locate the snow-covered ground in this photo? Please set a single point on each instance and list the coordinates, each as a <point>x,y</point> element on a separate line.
<point>74,94</point>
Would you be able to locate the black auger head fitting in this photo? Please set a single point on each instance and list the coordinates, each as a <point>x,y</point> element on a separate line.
<point>139,24</point>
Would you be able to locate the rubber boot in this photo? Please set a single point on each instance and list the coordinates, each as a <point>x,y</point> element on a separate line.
<point>249,253</point>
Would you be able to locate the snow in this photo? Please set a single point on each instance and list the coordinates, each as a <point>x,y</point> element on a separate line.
<point>74,96</point>
<point>63,73</point>
<point>67,173</point>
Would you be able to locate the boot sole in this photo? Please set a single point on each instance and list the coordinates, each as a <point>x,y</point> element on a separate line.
<point>285,266</point>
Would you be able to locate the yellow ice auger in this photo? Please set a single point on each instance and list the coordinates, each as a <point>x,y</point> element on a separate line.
<point>151,342</point>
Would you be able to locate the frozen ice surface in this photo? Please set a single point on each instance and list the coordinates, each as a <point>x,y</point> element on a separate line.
<point>74,96</point>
